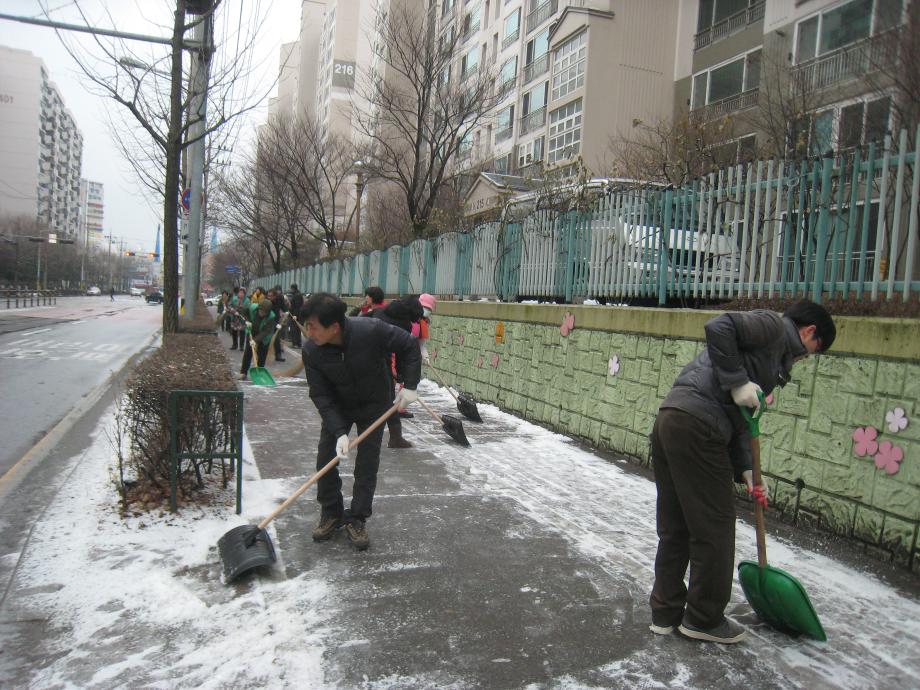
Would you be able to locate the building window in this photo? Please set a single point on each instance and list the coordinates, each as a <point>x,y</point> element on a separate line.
<point>512,28</point>
<point>446,7</point>
<point>471,22</point>
<point>730,79</point>
<point>508,72</point>
<point>531,152</point>
<point>569,65</point>
<point>836,28</point>
<point>502,164</point>
<point>849,125</point>
<point>469,62</point>
<point>535,98</point>
<point>714,11</point>
<point>537,47</point>
<point>504,123</point>
<point>565,131</point>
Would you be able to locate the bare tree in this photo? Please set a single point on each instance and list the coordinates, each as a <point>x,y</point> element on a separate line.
<point>243,203</point>
<point>670,151</point>
<point>154,100</point>
<point>421,108</point>
<point>309,173</point>
<point>892,58</point>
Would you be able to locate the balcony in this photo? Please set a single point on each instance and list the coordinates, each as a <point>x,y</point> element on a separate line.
<point>850,62</point>
<point>469,72</point>
<point>506,87</point>
<point>469,31</point>
<point>503,134</point>
<point>730,25</point>
<point>732,104</point>
<point>511,38</point>
<point>532,121</point>
<point>536,68</point>
<point>541,13</point>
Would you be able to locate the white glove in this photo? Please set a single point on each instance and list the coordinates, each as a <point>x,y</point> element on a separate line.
<point>406,397</point>
<point>341,447</point>
<point>746,395</point>
<point>426,360</point>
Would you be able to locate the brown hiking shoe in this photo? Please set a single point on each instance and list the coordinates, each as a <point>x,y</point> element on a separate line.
<point>357,534</point>
<point>398,442</point>
<point>327,525</point>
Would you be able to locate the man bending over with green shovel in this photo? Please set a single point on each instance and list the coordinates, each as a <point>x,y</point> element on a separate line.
<point>700,442</point>
<point>347,364</point>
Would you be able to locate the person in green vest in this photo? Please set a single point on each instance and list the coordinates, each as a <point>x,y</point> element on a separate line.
<point>262,323</point>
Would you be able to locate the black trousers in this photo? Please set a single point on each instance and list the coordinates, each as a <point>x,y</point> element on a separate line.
<point>261,351</point>
<point>239,338</point>
<point>696,521</point>
<point>366,463</point>
<point>294,334</point>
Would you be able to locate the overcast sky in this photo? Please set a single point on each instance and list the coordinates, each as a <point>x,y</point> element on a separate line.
<point>132,212</point>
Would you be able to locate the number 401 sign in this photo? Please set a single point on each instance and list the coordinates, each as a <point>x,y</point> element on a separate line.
<point>343,74</point>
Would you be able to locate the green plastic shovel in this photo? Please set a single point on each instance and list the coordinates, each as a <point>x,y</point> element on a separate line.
<point>260,376</point>
<point>776,596</point>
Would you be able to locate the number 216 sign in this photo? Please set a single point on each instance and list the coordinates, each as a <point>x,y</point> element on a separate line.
<point>343,74</point>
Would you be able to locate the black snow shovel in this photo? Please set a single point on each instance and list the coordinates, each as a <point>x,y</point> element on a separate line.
<point>465,403</point>
<point>776,596</point>
<point>248,546</point>
<point>452,425</point>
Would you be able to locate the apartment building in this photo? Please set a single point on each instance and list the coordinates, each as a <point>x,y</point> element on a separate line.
<point>742,58</point>
<point>92,213</point>
<point>569,74</point>
<point>40,146</point>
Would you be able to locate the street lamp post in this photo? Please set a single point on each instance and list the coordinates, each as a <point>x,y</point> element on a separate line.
<point>359,190</point>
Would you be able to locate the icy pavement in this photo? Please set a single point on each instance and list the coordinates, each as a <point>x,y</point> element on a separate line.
<point>524,561</point>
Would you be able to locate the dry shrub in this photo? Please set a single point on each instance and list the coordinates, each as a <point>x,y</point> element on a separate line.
<point>185,361</point>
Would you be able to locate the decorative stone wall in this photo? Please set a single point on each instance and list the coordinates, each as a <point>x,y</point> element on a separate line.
<point>599,373</point>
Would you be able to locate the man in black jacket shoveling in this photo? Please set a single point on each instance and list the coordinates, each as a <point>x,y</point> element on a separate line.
<point>700,442</point>
<point>346,362</point>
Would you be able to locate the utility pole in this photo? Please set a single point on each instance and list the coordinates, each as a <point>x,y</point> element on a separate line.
<point>200,72</point>
<point>109,257</point>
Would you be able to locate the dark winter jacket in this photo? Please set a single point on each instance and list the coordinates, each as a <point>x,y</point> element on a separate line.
<point>295,299</point>
<point>349,382</point>
<point>279,304</point>
<point>759,346</point>
<point>400,313</point>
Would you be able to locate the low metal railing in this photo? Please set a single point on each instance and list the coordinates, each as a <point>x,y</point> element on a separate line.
<point>15,298</point>
<point>729,25</point>
<point>849,62</point>
<point>732,104</point>
<point>540,14</point>
<point>536,68</point>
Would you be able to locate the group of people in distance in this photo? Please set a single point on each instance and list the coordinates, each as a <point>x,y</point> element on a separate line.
<point>358,367</point>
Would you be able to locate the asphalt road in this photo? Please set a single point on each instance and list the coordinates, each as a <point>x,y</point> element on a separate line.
<point>51,357</point>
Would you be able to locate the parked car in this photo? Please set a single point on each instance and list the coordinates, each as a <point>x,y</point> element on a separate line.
<point>94,291</point>
<point>137,292</point>
<point>212,300</point>
<point>155,298</point>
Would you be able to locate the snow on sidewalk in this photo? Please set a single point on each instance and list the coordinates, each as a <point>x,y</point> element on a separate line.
<point>139,602</point>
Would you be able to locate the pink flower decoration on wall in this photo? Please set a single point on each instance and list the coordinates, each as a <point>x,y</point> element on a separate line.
<point>495,361</point>
<point>568,324</point>
<point>480,361</point>
<point>864,441</point>
<point>460,338</point>
<point>896,419</point>
<point>434,353</point>
<point>889,457</point>
<point>613,365</point>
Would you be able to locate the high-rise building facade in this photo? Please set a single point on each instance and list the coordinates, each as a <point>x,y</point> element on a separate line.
<point>40,146</point>
<point>824,60</point>
<point>569,74</point>
<point>92,208</point>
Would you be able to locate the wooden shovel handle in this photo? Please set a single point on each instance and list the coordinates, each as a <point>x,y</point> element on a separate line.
<point>325,469</point>
<point>302,329</point>
<point>441,381</point>
<point>434,414</point>
<point>758,509</point>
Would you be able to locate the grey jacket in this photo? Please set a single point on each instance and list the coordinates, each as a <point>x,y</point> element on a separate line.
<point>759,346</point>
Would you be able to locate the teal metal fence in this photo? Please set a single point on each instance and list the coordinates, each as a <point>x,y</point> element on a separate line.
<point>834,227</point>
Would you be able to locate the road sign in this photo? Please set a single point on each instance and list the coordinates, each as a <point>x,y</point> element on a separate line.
<point>233,269</point>
<point>186,198</point>
<point>52,238</point>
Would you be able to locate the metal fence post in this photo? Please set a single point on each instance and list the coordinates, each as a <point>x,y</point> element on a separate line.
<point>824,213</point>
<point>663,244</point>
